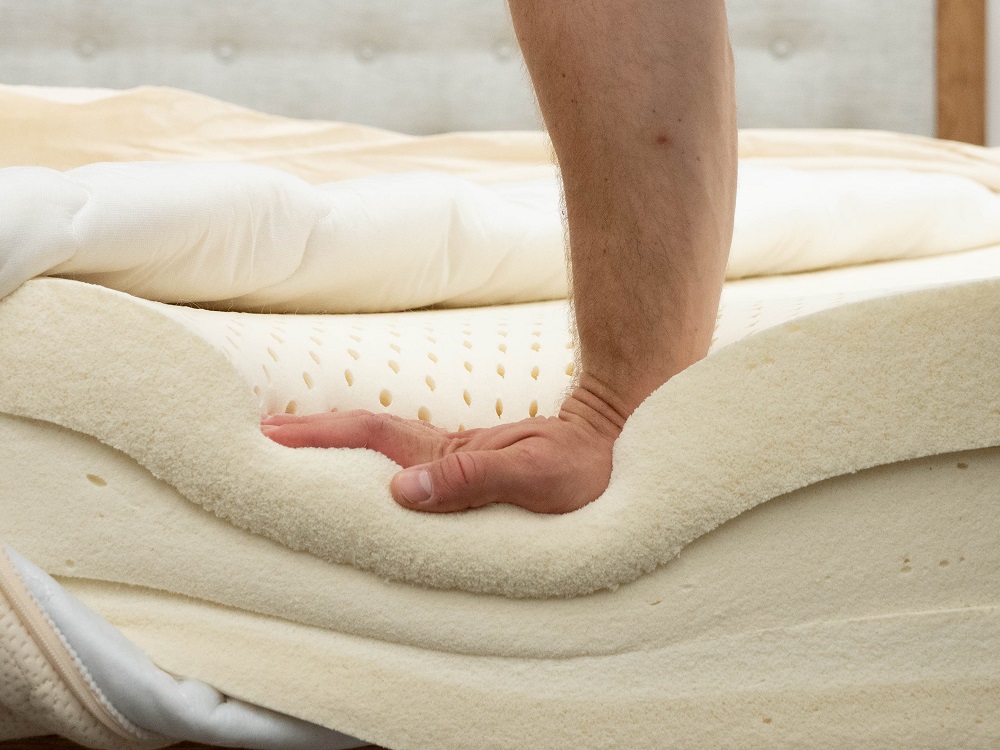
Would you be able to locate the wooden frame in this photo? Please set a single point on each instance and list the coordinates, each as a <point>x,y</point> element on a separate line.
<point>961,70</point>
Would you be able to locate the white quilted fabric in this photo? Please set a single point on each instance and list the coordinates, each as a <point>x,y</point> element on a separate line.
<point>250,212</point>
<point>211,232</point>
<point>13,726</point>
<point>253,238</point>
<point>159,707</point>
<point>34,699</point>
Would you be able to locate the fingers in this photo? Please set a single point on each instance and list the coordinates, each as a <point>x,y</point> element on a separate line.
<point>280,419</point>
<point>272,420</point>
<point>547,466</point>
<point>405,442</point>
<point>466,479</point>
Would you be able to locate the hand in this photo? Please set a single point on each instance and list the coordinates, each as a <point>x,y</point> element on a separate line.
<point>544,464</point>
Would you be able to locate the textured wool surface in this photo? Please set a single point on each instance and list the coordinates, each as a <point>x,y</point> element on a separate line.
<point>907,537</point>
<point>855,385</point>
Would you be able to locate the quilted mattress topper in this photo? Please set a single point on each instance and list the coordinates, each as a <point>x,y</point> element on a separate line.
<point>171,196</point>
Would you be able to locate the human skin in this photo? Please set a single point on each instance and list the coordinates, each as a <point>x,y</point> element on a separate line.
<point>638,98</point>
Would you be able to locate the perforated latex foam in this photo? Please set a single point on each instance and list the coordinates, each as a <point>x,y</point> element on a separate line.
<point>456,369</point>
<point>478,367</point>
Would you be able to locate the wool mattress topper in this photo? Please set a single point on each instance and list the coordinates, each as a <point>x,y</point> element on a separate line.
<point>814,397</point>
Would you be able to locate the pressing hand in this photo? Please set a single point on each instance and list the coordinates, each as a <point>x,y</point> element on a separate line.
<point>544,464</point>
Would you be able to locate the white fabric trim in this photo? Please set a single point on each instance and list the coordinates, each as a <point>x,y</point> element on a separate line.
<point>156,701</point>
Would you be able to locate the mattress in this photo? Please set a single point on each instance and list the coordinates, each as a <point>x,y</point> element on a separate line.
<point>797,547</point>
<point>512,606</point>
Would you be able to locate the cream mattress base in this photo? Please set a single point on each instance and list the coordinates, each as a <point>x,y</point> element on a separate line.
<point>915,680</point>
<point>871,597</point>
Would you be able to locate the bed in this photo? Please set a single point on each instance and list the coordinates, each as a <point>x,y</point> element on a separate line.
<point>847,595</point>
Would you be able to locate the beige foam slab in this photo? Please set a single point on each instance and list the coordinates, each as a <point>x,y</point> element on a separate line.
<point>861,609</point>
<point>915,680</point>
<point>917,536</point>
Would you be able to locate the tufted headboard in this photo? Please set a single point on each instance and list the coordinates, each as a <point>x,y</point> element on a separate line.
<point>424,66</point>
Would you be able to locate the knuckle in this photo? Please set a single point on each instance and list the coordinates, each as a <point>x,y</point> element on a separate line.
<point>544,461</point>
<point>466,463</point>
<point>377,422</point>
<point>458,471</point>
<point>358,413</point>
<point>449,445</point>
<point>374,429</point>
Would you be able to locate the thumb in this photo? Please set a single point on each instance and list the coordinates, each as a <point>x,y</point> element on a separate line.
<point>460,480</point>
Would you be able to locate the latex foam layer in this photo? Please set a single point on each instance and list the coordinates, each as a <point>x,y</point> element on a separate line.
<point>855,385</point>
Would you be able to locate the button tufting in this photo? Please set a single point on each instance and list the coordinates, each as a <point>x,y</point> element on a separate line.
<point>503,50</point>
<point>225,51</point>
<point>781,48</point>
<point>86,47</point>
<point>366,52</point>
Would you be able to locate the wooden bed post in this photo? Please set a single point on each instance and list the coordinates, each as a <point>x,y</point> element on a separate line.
<point>961,70</point>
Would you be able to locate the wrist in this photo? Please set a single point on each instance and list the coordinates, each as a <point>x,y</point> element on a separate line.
<point>598,404</point>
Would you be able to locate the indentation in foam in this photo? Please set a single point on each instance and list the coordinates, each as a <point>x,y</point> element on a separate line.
<point>460,365</point>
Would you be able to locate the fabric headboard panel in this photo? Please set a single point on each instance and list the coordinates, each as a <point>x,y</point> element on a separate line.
<point>424,66</point>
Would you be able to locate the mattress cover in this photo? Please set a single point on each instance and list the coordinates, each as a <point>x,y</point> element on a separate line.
<point>101,671</point>
<point>799,535</point>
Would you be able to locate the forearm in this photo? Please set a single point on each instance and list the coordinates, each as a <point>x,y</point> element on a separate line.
<point>638,100</point>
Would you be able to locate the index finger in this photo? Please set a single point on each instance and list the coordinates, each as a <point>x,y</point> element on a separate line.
<point>404,441</point>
